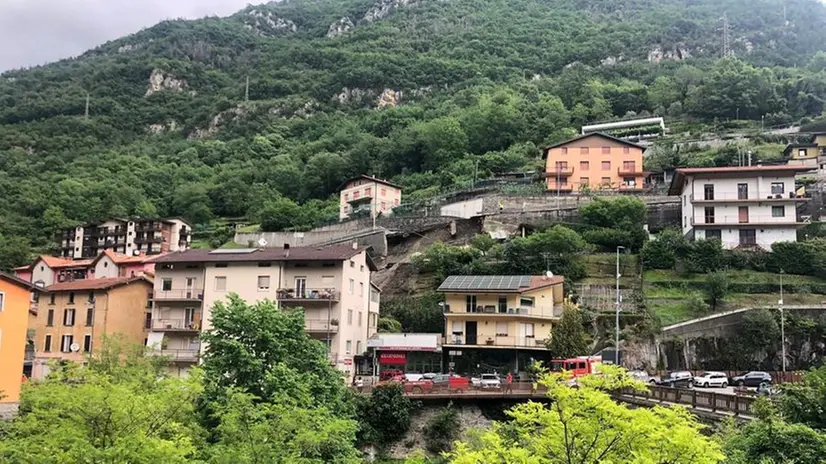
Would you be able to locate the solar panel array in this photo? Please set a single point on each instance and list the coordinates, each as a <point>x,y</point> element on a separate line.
<point>232,251</point>
<point>485,282</point>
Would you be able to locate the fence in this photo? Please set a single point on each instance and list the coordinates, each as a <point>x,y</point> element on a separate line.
<point>715,402</point>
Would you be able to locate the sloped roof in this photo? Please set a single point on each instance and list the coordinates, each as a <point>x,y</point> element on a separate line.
<point>371,179</point>
<point>330,253</point>
<point>119,258</point>
<point>16,281</point>
<point>734,171</point>
<point>94,284</point>
<point>592,134</point>
<point>497,283</point>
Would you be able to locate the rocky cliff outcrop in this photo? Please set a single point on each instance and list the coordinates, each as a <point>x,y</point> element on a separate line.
<point>675,53</point>
<point>221,118</point>
<point>266,24</point>
<point>340,27</point>
<point>383,8</point>
<point>389,99</point>
<point>159,81</point>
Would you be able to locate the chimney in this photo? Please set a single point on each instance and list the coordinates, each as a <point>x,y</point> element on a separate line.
<point>355,245</point>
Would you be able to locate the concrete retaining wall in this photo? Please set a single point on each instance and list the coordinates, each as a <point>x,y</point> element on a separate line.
<point>374,238</point>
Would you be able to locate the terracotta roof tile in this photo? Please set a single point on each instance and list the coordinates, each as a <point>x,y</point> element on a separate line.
<point>94,284</point>
<point>330,253</point>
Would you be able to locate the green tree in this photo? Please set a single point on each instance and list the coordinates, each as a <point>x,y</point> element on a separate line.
<point>625,214</point>
<point>717,288</point>
<point>662,252</point>
<point>389,325</point>
<point>585,425</point>
<point>442,430</point>
<point>14,251</point>
<point>556,249</point>
<point>805,402</point>
<point>280,214</point>
<point>384,415</point>
<point>569,338</point>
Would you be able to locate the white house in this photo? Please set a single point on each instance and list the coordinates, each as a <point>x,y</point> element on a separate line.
<point>742,206</point>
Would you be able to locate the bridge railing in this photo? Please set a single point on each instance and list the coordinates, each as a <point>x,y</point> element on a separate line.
<point>715,402</point>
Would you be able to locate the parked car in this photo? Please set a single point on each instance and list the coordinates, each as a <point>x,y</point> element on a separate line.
<point>643,376</point>
<point>388,374</point>
<point>679,379</point>
<point>414,377</point>
<point>711,379</point>
<point>413,386</point>
<point>486,381</point>
<point>751,379</point>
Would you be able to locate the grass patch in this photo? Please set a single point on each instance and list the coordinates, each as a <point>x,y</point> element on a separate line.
<point>200,244</point>
<point>673,313</point>
<point>250,229</point>
<point>735,276</point>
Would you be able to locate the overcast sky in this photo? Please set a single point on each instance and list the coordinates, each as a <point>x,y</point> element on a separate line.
<point>34,32</point>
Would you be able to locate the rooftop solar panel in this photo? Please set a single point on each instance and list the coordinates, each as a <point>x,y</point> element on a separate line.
<point>485,282</point>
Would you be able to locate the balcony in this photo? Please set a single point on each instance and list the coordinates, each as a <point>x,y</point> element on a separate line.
<point>504,341</point>
<point>308,295</point>
<point>630,171</point>
<point>176,325</point>
<point>148,227</point>
<point>190,294</point>
<point>540,312</point>
<point>749,221</point>
<point>149,239</point>
<point>182,356</point>
<point>734,197</point>
<point>321,326</point>
<point>561,171</point>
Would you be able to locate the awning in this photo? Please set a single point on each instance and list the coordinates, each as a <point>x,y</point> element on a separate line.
<point>155,339</point>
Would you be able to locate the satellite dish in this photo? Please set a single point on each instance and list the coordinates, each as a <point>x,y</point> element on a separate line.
<point>261,242</point>
<point>136,252</point>
<point>74,347</point>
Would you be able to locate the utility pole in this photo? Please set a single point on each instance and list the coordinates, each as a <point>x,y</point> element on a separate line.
<point>86,114</point>
<point>616,344</point>
<point>247,90</point>
<point>726,49</point>
<point>782,323</point>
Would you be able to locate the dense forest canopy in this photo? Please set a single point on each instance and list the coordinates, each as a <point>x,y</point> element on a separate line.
<point>420,91</point>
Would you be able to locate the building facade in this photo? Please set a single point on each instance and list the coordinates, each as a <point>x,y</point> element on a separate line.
<point>810,154</point>
<point>332,284</point>
<point>365,195</point>
<point>745,206</point>
<point>73,318</point>
<point>125,236</point>
<point>48,270</point>
<point>594,162</point>
<point>507,314</point>
<point>17,299</point>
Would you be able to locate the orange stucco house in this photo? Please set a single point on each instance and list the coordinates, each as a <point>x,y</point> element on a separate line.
<point>16,300</point>
<point>596,160</point>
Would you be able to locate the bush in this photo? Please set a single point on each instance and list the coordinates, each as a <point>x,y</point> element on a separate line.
<point>384,416</point>
<point>793,257</point>
<point>609,239</point>
<point>442,430</point>
<point>717,287</point>
<point>703,256</point>
<point>662,252</point>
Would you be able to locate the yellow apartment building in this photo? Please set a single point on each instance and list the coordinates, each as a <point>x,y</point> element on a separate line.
<point>17,298</point>
<point>73,318</point>
<point>595,161</point>
<point>507,314</point>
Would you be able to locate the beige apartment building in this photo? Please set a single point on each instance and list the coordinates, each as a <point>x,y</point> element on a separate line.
<point>73,317</point>
<point>365,195</point>
<point>332,284</point>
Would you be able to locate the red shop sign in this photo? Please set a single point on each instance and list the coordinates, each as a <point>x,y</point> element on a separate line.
<point>392,358</point>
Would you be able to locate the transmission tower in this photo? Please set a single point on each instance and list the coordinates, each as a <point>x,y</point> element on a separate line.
<point>726,31</point>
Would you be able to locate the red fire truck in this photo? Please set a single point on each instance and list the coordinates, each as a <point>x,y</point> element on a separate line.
<point>578,367</point>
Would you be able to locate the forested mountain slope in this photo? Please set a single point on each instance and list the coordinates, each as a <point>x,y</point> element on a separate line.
<point>414,90</point>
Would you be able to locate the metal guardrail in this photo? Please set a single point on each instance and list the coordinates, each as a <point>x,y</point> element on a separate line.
<point>190,294</point>
<point>320,325</point>
<point>696,399</point>
<point>176,324</point>
<point>308,294</point>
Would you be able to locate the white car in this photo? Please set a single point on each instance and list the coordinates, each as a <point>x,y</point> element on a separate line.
<point>486,381</point>
<point>413,377</point>
<point>711,379</point>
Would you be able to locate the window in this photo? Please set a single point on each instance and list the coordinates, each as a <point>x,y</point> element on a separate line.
<point>526,301</point>
<point>801,153</point>
<point>352,263</point>
<point>458,329</point>
<point>66,344</point>
<point>361,288</point>
<point>742,191</point>
<point>91,298</point>
<point>778,188</point>
<point>778,211</point>
<point>743,214</point>
<point>708,191</point>
<point>359,318</point>
<point>606,181</point>
<point>300,287</point>
<point>606,150</point>
<point>384,192</point>
<point>584,165</point>
<point>503,304</point>
<point>368,191</point>
<point>501,329</point>
<point>584,181</point>
<point>629,166</point>
<point>348,346</point>
<point>470,303</point>
<point>68,317</point>
<point>606,165</point>
<point>90,316</point>
<point>148,321</point>
<point>220,284</point>
<point>560,166</point>
<point>352,286</point>
<point>349,317</point>
<point>87,343</point>
<point>629,181</point>
<point>361,268</point>
<point>51,299</point>
<point>263,283</point>
<point>748,237</point>
<point>50,318</point>
<point>71,297</point>
<point>358,346</point>
<point>2,301</point>
<point>526,330</point>
<point>709,215</point>
<point>47,344</point>
<point>563,182</point>
<point>583,150</point>
<point>714,234</point>
<point>564,150</point>
<point>626,150</point>
<point>265,264</point>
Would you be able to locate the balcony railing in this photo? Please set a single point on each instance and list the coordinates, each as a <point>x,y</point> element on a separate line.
<point>177,325</point>
<point>192,294</point>
<point>630,171</point>
<point>148,227</point>
<point>763,220</point>
<point>561,171</point>
<point>550,312</point>
<point>747,197</point>
<point>320,325</point>
<point>148,239</point>
<point>308,294</point>
<point>503,341</point>
<point>190,355</point>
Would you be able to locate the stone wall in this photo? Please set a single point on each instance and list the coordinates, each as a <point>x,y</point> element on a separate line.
<point>374,238</point>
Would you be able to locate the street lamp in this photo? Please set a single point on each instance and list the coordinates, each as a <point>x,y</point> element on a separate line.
<point>782,323</point>
<point>616,345</point>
